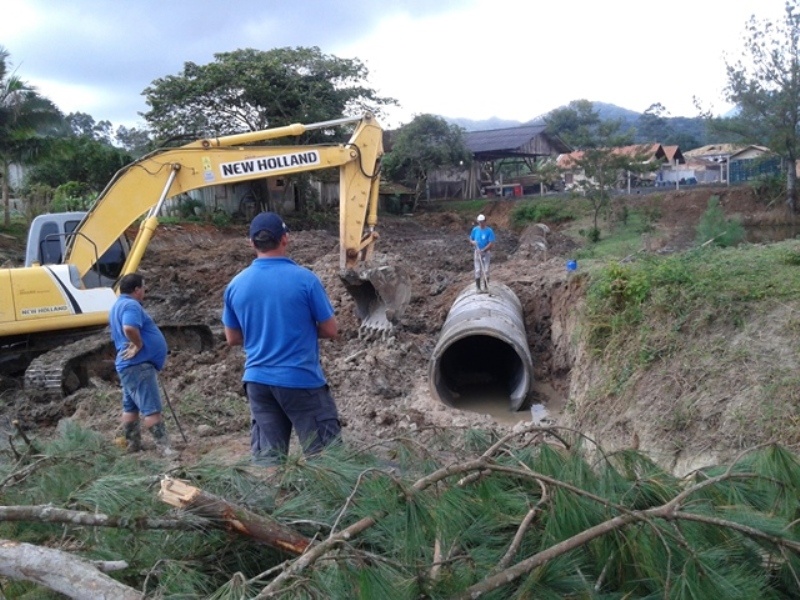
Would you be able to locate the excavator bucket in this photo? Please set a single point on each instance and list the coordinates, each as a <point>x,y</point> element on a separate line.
<point>381,294</point>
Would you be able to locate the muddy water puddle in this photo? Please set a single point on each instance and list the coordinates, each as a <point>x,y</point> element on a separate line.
<point>545,406</point>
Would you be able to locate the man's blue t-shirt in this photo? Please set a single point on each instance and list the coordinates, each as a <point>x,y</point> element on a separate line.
<point>482,235</point>
<point>128,311</point>
<point>277,304</point>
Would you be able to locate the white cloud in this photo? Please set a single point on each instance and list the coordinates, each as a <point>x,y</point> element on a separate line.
<point>513,59</point>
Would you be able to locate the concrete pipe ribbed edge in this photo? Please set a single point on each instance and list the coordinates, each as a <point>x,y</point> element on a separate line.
<point>483,337</point>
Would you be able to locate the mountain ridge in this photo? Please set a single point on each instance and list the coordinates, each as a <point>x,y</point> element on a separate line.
<point>604,109</point>
<point>681,131</point>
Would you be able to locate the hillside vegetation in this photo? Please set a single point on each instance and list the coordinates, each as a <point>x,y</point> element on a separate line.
<point>684,349</point>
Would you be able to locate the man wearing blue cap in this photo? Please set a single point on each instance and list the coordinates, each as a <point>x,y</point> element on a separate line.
<point>278,310</point>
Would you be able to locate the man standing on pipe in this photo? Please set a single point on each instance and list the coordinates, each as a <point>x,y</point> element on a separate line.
<point>482,238</point>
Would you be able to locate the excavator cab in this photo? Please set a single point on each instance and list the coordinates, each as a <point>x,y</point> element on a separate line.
<point>49,236</point>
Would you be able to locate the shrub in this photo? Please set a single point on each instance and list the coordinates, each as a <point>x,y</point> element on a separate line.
<point>716,229</point>
<point>73,195</point>
<point>38,199</point>
<point>619,287</point>
<point>768,188</point>
<point>187,207</point>
<point>537,212</point>
<point>221,218</point>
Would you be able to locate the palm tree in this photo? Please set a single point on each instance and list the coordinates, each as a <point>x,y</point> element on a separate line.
<point>25,120</point>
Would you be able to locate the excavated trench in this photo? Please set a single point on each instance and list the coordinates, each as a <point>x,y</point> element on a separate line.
<point>482,349</point>
<point>375,384</point>
<point>507,353</point>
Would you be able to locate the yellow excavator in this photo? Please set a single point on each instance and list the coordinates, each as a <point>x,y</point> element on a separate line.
<point>44,307</point>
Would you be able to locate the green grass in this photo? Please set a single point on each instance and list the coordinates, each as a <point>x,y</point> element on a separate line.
<point>18,228</point>
<point>721,284</point>
<point>618,239</point>
<point>470,208</point>
<point>538,211</point>
<point>688,307</point>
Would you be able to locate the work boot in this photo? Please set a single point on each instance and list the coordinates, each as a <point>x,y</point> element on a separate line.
<point>159,432</point>
<point>133,437</point>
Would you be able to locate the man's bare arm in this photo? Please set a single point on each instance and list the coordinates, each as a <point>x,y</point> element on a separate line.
<point>234,337</point>
<point>328,329</point>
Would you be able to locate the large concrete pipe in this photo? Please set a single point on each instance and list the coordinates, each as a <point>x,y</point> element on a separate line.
<point>482,341</point>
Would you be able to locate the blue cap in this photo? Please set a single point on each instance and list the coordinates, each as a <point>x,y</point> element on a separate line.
<point>269,222</point>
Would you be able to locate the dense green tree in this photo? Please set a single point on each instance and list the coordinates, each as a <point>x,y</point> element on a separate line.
<point>581,126</point>
<point>599,158</point>
<point>136,141</point>
<point>656,125</point>
<point>84,157</point>
<point>84,125</point>
<point>79,159</point>
<point>249,90</point>
<point>764,84</point>
<point>652,125</point>
<point>426,143</point>
<point>27,119</point>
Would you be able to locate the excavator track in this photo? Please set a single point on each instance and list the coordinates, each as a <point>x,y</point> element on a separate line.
<point>65,369</point>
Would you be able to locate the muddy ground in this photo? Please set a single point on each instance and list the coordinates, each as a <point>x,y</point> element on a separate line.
<point>381,385</point>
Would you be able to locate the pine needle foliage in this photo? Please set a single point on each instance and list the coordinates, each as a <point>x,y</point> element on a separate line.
<point>508,518</point>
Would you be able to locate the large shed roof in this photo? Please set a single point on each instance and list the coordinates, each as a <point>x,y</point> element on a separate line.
<point>512,141</point>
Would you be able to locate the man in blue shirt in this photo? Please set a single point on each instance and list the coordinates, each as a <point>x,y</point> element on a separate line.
<point>278,310</point>
<point>141,353</point>
<point>482,239</point>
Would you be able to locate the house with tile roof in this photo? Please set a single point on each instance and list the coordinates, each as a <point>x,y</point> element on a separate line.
<point>658,156</point>
<point>720,163</point>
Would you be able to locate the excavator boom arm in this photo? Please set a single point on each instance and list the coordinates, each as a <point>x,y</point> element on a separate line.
<point>144,184</point>
<point>39,300</point>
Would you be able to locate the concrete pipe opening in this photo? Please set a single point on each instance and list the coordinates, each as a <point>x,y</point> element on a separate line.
<point>482,356</point>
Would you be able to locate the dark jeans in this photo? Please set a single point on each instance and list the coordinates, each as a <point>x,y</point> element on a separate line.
<point>274,410</point>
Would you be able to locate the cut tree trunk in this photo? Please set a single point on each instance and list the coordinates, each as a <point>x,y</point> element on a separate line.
<point>60,571</point>
<point>234,518</point>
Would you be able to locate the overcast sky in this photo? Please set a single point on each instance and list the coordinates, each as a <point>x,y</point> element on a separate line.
<point>475,59</point>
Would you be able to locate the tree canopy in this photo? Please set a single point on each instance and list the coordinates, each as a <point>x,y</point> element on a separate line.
<point>580,126</point>
<point>26,120</point>
<point>249,90</point>
<point>600,158</point>
<point>85,158</point>
<point>426,143</point>
<point>764,84</point>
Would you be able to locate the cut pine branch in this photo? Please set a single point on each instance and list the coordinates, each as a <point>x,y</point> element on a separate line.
<point>45,513</point>
<point>232,517</point>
